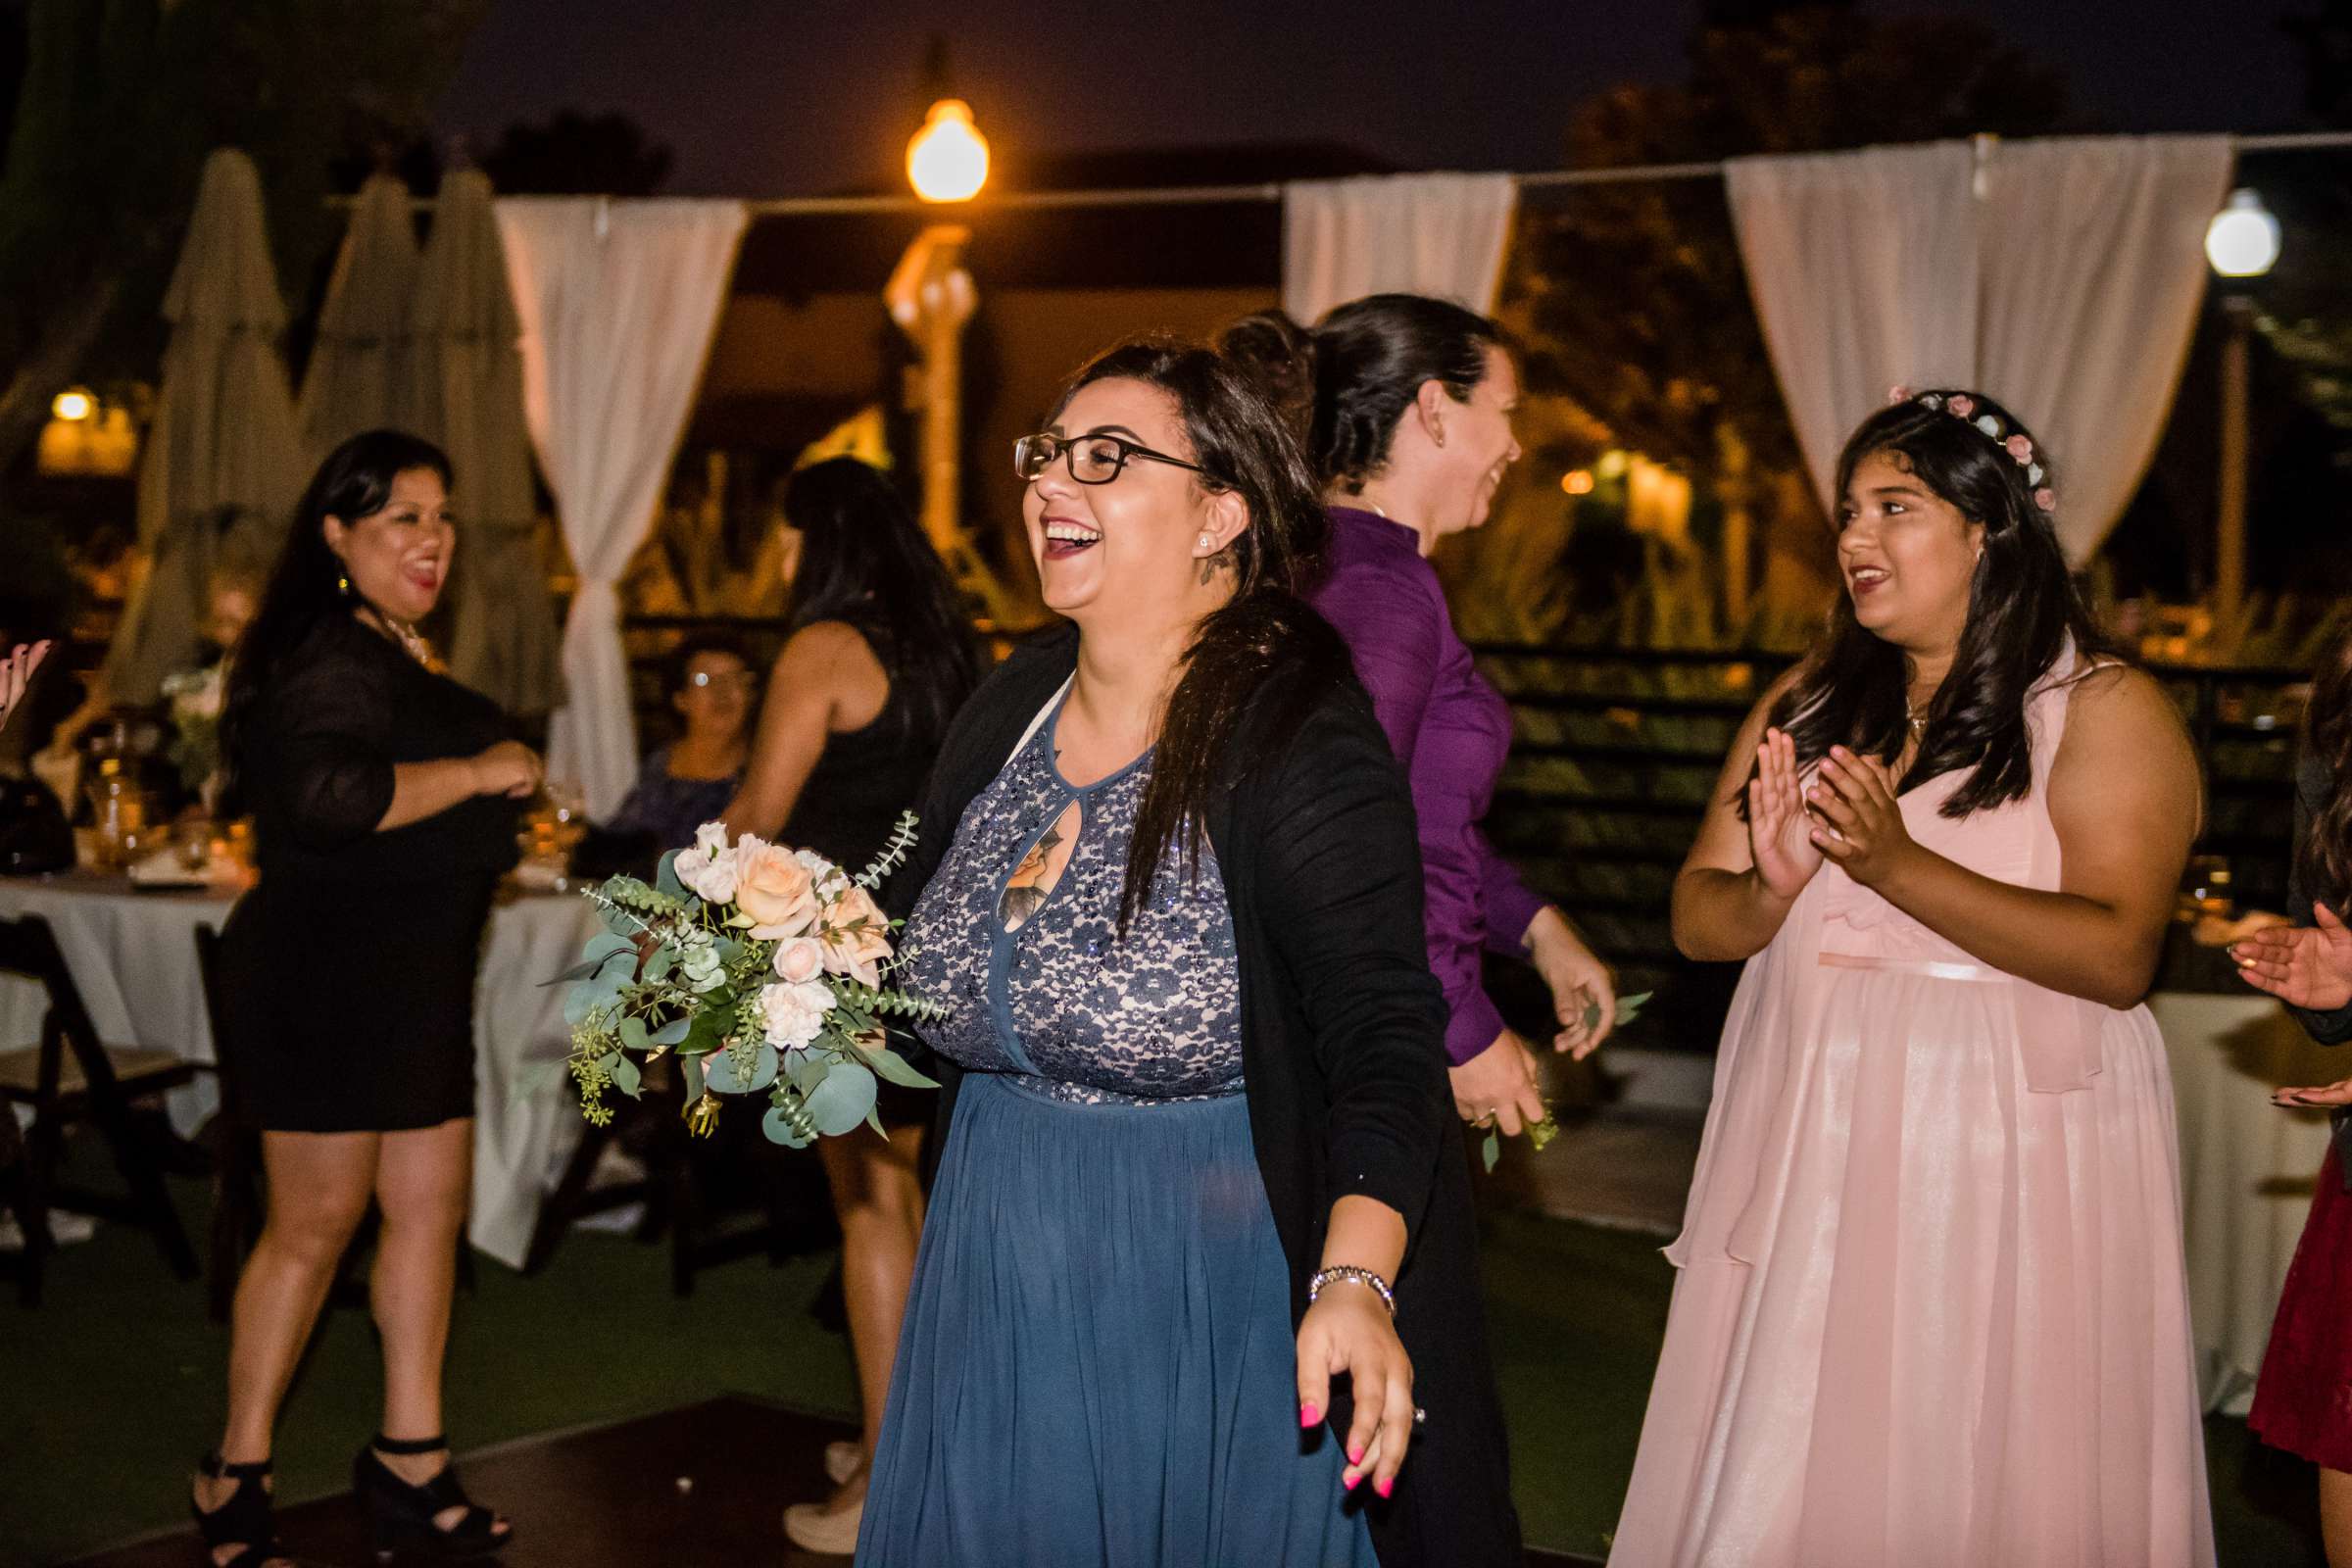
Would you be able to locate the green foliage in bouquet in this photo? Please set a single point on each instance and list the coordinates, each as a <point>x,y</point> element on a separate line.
<point>758,970</point>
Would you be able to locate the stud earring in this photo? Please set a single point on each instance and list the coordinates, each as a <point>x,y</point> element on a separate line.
<point>343,585</point>
<point>1208,541</point>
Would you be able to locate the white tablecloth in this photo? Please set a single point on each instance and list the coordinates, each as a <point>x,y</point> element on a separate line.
<point>133,956</point>
<point>2246,1170</point>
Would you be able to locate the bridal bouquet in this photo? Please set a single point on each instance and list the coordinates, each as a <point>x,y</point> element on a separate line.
<point>761,969</point>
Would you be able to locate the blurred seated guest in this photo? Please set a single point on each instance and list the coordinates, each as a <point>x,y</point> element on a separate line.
<point>691,780</point>
<point>2299,1404</point>
<point>33,835</point>
<point>16,674</point>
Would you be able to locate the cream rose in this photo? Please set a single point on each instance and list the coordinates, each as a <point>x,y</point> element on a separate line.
<point>856,935</point>
<point>793,1014</point>
<point>708,866</point>
<point>774,889</point>
<point>800,960</point>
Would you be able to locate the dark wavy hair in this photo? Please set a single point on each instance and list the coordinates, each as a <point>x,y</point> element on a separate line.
<point>1370,360</point>
<point>2326,849</point>
<point>303,594</point>
<point>1264,640</point>
<point>864,561</point>
<point>2022,607</point>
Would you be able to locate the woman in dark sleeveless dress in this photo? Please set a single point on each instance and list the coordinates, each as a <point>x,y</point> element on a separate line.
<point>383,798</point>
<point>881,657</point>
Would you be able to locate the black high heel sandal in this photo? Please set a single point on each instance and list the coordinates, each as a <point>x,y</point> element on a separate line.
<point>400,1516</point>
<point>247,1520</point>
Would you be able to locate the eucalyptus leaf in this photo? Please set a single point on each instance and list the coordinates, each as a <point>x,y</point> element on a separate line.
<point>578,971</point>
<point>843,1099</point>
<point>805,1069</point>
<point>665,877</point>
<point>658,966</point>
<point>720,1076</point>
<point>777,1124</point>
<point>705,1032</point>
<point>625,1077</point>
<point>1492,1149</point>
<point>690,1076</point>
<point>672,1032</point>
<point>632,1034</point>
<point>895,1068</point>
<point>604,944</point>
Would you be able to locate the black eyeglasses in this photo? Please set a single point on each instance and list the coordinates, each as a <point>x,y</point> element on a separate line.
<point>1095,459</point>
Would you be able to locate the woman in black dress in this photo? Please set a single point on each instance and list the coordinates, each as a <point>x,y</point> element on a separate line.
<point>881,657</point>
<point>382,793</point>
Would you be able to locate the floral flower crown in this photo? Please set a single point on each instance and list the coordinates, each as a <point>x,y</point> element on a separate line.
<point>1960,406</point>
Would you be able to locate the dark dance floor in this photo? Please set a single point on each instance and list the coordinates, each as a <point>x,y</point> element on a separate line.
<point>700,1485</point>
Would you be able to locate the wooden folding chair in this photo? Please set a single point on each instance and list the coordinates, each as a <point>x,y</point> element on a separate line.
<point>69,1077</point>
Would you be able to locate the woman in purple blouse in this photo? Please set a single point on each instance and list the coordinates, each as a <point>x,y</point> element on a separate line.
<point>1406,405</point>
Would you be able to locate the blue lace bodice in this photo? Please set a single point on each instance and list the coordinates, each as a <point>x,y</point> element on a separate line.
<point>1060,999</point>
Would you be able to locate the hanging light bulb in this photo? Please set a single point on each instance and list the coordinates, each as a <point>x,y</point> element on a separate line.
<point>948,158</point>
<point>2242,240</point>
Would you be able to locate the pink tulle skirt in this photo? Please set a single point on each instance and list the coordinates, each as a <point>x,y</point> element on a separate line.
<point>1927,1315</point>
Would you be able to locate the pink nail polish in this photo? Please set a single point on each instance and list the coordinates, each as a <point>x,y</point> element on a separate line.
<point>1309,1414</point>
<point>1384,1488</point>
<point>1356,1453</point>
<point>1348,1482</point>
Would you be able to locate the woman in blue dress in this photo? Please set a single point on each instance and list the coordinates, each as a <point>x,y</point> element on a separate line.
<point>1195,1117</point>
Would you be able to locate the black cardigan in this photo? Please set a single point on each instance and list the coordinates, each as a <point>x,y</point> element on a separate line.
<point>1343,1053</point>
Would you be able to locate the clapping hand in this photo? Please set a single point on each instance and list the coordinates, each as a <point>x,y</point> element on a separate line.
<point>1779,834</point>
<point>17,673</point>
<point>1860,825</point>
<point>2305,966</point>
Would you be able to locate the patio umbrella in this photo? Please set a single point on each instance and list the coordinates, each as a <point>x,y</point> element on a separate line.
<point>351,383</point>
<point>463,389</point>
<point>225,461</point>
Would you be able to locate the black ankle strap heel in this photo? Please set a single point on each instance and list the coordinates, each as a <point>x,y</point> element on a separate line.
<point>246,1520</point>
<point>400,1516</point>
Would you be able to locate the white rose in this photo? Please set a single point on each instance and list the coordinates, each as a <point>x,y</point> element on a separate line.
<point>798,959</point>
<point>707,867</point>
<point>794,1014</point>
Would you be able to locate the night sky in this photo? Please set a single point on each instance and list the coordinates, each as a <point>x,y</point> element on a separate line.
<point>764,99</point>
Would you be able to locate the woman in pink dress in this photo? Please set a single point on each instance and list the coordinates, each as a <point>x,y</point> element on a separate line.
<point>1930,1308</point>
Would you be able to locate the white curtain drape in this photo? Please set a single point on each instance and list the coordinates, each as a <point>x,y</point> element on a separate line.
<point>1438,234</point>
<point>618,303</point>
<point>2061,276</point>
<point>2093,276</point>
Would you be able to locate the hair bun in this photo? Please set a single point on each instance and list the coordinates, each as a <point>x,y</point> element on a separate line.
<point>1276,356</point>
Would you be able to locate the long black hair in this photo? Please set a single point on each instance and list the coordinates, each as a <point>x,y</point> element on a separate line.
<point>305,589</point>
<point>1264,634</point>
<point>2326,849</point>
<point>864,561</point>
<point>1371,358</point>
<point>2022,607</point>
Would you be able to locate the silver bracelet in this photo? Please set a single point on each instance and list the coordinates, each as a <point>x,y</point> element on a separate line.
<point>1360,1276</point>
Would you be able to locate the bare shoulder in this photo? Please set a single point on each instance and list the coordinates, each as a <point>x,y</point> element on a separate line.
<point>2115,704</point>
<point>825,648</point>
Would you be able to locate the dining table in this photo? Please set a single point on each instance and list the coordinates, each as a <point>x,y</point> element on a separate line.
<point>131,951</point>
